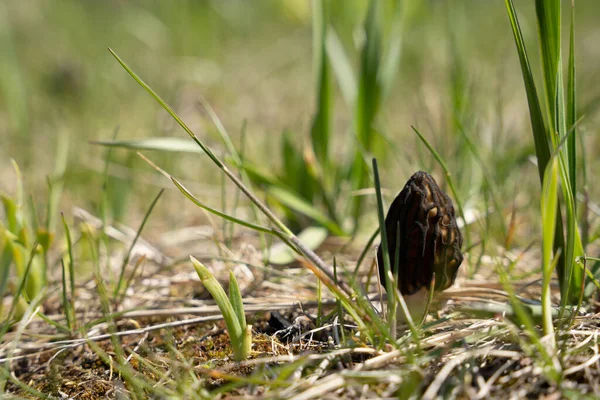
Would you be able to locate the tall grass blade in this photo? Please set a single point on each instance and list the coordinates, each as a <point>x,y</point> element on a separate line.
<point>572,277</point>
<point>367,103</point>
<point>489,179</point>
<point>338,305</point>
<point>572,106</point>
<point>340,64</point>
<point>171,112</point>
<point>365,250</point>
<point>235,155</point>
<point>119,285</point>
<point>369,85</point>
<point>548,19</point>
<point>296,174</point>
<point>105,201</point>
<point>549,206</point>
<point>391,59</point>
<point>542,147</point>
<point>321,125</point>
<point>221,131</point>
<point>450,181</point>
<point>389,282</point>
<point>548,16</point>
<point>65,297</point>
<point>71,264</point>
<point>129,280</point>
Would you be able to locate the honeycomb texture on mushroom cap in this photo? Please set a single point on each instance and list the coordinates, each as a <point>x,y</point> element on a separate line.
<point>421,221</point>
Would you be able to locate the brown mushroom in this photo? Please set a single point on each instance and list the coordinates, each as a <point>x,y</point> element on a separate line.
<point>429,239</point>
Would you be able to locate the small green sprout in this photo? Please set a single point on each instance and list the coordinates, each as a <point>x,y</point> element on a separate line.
<point>231,308</point>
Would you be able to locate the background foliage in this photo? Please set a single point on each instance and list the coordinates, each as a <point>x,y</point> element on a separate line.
<point>458,80</point>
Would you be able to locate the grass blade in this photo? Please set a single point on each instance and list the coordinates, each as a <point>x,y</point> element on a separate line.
<point>572,106</point>
<point>542,149</point>
<point>548,15</point>
<point>389,282</point>
<point>65,297</point>
<point>228,217</point>
<point>367,104</point>
<point>164,105</point>
<point>391,60</point>
<point>71,265</point>
<point>341,66</point>
<point>366,250</point>
<point>440,161</point>
<point>168,144</point>
<point>6,258</point>
<point>119,285</point>
<point>548,19</point>
<point>298,204</point>
<point>549,206</point>
<point>320,131</point>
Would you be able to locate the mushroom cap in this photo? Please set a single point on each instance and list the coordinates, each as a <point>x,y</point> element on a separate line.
<point>422,225</point>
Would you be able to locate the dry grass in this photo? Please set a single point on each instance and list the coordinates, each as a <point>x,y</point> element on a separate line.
<point>175,343</point>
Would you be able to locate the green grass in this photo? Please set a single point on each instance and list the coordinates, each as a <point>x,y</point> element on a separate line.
<point>270,142</point>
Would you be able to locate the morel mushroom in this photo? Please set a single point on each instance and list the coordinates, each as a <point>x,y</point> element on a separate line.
<point>429,238</point>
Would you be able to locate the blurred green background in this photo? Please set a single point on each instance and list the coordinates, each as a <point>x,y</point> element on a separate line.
<point>252,61</point>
